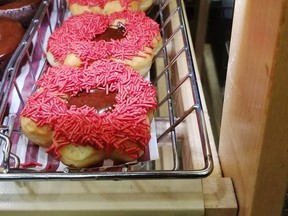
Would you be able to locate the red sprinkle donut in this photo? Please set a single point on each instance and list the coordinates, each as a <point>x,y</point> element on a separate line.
<point>107,6</point>
<point>128,37</point>
<point>83,135</point>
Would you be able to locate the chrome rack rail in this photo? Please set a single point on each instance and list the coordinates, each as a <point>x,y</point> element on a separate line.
<point>168,73</point>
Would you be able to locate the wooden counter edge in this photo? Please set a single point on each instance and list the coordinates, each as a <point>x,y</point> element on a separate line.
<point>219,197</point>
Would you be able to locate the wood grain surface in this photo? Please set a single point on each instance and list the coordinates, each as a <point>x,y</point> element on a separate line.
<point>254,134</point>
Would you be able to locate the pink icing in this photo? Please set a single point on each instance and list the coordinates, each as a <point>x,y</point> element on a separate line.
<point>84,126</point>
<point>76,34</point>
<point>100,3</point>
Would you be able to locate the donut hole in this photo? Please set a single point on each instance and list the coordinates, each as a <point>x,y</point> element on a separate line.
<point>117,32</point>
<point>100,99</point>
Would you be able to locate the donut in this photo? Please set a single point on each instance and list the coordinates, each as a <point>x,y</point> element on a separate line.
<point>94,113</point>
<point>107,6</point>
<point>11,33</point>
<point>21,10</point>
<point>128,37</point>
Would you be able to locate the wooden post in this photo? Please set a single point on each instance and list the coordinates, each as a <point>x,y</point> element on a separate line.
<point>201,28</point>
<point>254,135</point>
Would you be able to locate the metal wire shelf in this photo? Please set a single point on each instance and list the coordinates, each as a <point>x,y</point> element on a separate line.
<point>172,73</point>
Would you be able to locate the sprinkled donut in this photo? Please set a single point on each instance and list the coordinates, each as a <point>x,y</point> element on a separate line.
<point>128,37</point>
<point>83,133</point>
<point>107,6</point>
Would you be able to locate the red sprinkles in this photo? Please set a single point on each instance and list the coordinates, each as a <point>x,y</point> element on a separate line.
<point>100,3</point>
<point>84,125</point>
<point>76,34</point>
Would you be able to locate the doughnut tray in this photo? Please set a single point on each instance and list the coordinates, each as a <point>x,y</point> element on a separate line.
<point>180,128</point>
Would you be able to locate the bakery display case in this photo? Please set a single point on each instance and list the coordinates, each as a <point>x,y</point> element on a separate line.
<point>186,177</point>
<point>168,75</point>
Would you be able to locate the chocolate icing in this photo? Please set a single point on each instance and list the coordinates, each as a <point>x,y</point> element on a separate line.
<point>3,2</point>
<point>11,33</point>
<point>97,99</point>
<point>20,10</point>
<point>111,34</point>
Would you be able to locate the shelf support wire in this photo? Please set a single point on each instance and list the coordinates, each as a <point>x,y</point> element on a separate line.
<point>196,95</point>
<point>171,111</point>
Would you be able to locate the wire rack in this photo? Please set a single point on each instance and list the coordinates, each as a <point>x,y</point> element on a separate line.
<point>180,123</point>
